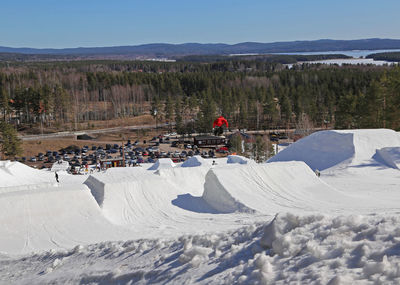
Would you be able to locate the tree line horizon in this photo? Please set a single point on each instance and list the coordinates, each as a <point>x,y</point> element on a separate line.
<point>251,94</point>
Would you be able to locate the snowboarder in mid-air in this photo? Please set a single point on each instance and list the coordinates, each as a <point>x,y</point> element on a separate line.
<point>57,177</point>
<point>217,125</point>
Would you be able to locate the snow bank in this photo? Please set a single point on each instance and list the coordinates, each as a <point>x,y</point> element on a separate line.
<point>162,163</point>
<point>290,249</point>
<point>270,188</point>
<point>325,149</point>
<point>389,156</point>
<point>15,176</point>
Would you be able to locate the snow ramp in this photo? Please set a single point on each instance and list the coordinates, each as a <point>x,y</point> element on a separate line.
<point>162,163</point>
<point>325,149</point>
<point>15,176</point>
<point>54,217</point>
<point>270,188</point>
<point>165,198</point>
<point>389,156</point>
<point>195,161</point>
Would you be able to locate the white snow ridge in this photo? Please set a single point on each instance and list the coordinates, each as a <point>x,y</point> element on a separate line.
<point>229,222</point>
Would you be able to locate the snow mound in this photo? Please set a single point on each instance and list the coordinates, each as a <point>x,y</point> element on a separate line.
<point>238,159</point>
<point>162,163</point>
<point>60,166</point>
<point>16,176</point>
<point>269,188</point>
<point>389,156</point>
<point>195,161</point>
<point>325,149</point>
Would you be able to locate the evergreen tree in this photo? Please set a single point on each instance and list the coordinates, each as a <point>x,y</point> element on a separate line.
<point>258,149</point>
<point>10,144</point>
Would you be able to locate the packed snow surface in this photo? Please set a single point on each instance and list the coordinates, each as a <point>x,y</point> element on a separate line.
<point>60,165</point>
<point>325,149</point>
<point>162,163</point>
<point>231,222</point>
<point>195,161</point>
<point>17,176</point>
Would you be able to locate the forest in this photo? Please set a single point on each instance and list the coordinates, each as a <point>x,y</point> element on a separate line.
<point>250,93</point>
<point>388,56</point>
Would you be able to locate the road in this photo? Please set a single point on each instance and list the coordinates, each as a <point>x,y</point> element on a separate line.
<point>88,132</point>
<point>130,128</point>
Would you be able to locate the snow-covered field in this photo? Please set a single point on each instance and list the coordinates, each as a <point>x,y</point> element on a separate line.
<point>233,222</point>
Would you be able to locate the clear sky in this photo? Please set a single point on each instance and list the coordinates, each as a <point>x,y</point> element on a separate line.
<point>85,23</point>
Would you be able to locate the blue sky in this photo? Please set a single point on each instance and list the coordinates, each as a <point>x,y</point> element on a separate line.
<point>73,23</point>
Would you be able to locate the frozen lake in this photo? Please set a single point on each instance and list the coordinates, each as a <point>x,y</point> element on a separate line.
<point>352,53</point>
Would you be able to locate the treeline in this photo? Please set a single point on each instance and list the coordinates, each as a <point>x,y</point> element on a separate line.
<point>387,56</point>
<point>269,58</point>
<point>250,94</point>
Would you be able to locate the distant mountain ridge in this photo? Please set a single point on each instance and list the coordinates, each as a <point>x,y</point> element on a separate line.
<point>171,50</point>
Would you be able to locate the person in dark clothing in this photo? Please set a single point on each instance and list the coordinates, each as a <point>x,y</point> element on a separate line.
<point>57,177</point>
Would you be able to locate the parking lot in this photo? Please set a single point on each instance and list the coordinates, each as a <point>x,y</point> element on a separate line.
<point>82,154</point>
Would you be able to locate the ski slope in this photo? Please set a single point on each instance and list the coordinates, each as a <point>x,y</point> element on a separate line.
<point>234,221</point>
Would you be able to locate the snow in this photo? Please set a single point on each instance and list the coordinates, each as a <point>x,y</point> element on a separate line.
<point>162,163</point>
<point>340,62</point>
<point>195,161</point>
<point>235,222</point>
<point>238,159</point>
<point>325,149</point>
<point>389,156</point>
<point>16,176</point>
<point>60,165</point>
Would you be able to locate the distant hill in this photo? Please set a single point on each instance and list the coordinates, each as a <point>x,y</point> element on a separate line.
<point>174,50</point>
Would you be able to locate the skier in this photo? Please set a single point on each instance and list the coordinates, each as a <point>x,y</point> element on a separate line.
<point>57,177</point>
<point>317,172</point>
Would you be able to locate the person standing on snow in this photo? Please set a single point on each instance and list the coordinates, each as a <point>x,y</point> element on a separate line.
<point>57,177</point>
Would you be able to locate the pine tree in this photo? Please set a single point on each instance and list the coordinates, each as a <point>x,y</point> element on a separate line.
<point>10,144</point>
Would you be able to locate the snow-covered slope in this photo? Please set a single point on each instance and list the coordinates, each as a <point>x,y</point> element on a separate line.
<point>235,222</point>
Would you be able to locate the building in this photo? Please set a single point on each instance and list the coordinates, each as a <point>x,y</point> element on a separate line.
<point>112,162</point>
<point>209,141</point>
